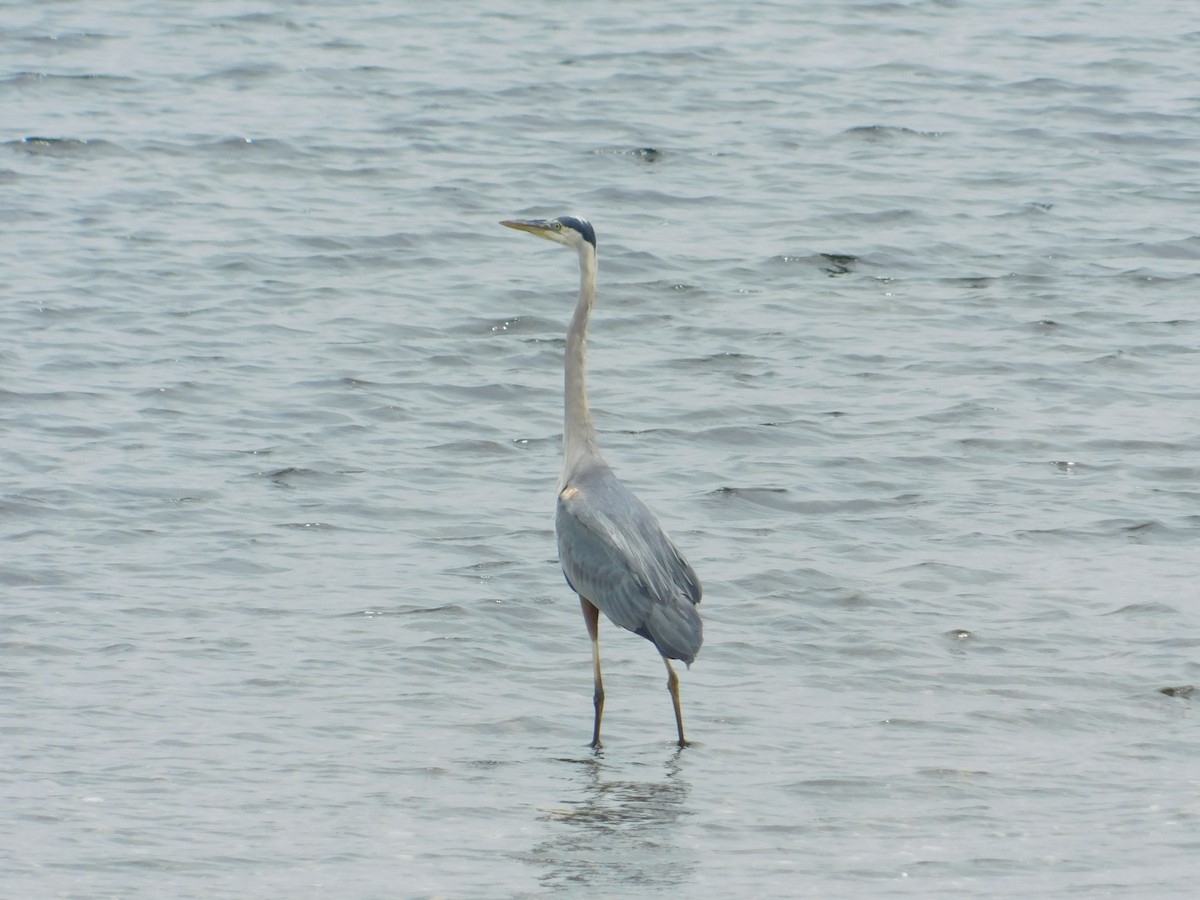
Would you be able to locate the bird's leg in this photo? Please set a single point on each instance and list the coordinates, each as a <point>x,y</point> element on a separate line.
<point>591,617</point>
<point>673,687</point>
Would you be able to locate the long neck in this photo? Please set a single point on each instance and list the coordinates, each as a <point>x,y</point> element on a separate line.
<point>579,434</point>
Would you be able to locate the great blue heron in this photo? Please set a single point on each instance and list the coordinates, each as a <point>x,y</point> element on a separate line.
<point>615,555</point>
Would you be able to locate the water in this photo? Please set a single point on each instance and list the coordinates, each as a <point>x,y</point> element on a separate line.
<point>897,333</point>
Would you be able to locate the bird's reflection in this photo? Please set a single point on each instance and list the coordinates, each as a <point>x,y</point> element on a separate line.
<point>616,831</point>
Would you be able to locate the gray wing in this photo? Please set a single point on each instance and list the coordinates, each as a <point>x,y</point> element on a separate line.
<point>615,554</point>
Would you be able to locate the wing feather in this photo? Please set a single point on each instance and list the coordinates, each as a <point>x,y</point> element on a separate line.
<point>614,553</point>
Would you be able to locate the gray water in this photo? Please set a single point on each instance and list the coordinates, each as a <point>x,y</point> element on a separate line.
<point>897,332</point>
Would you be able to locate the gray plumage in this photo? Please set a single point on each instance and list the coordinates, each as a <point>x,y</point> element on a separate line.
<point>614,554</point>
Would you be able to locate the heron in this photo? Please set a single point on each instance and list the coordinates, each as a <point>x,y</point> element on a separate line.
<point>613,552</point>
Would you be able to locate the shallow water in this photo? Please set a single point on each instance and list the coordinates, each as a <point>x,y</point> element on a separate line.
<point>896,332</point>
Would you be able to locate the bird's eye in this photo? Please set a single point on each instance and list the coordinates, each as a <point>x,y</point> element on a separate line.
<point>558,226</point>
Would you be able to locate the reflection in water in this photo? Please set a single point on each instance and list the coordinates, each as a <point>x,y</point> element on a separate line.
<point>617,832</point>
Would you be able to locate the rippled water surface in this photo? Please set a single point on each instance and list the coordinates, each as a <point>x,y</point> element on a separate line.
<point>897,332</point>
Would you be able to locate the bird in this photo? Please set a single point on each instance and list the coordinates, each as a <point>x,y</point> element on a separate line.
<point>614,553</point>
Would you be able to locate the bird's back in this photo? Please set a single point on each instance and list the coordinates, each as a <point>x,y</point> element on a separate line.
<point>616,555</point>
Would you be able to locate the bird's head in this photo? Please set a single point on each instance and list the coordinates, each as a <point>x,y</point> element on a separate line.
<point>566,230</point>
